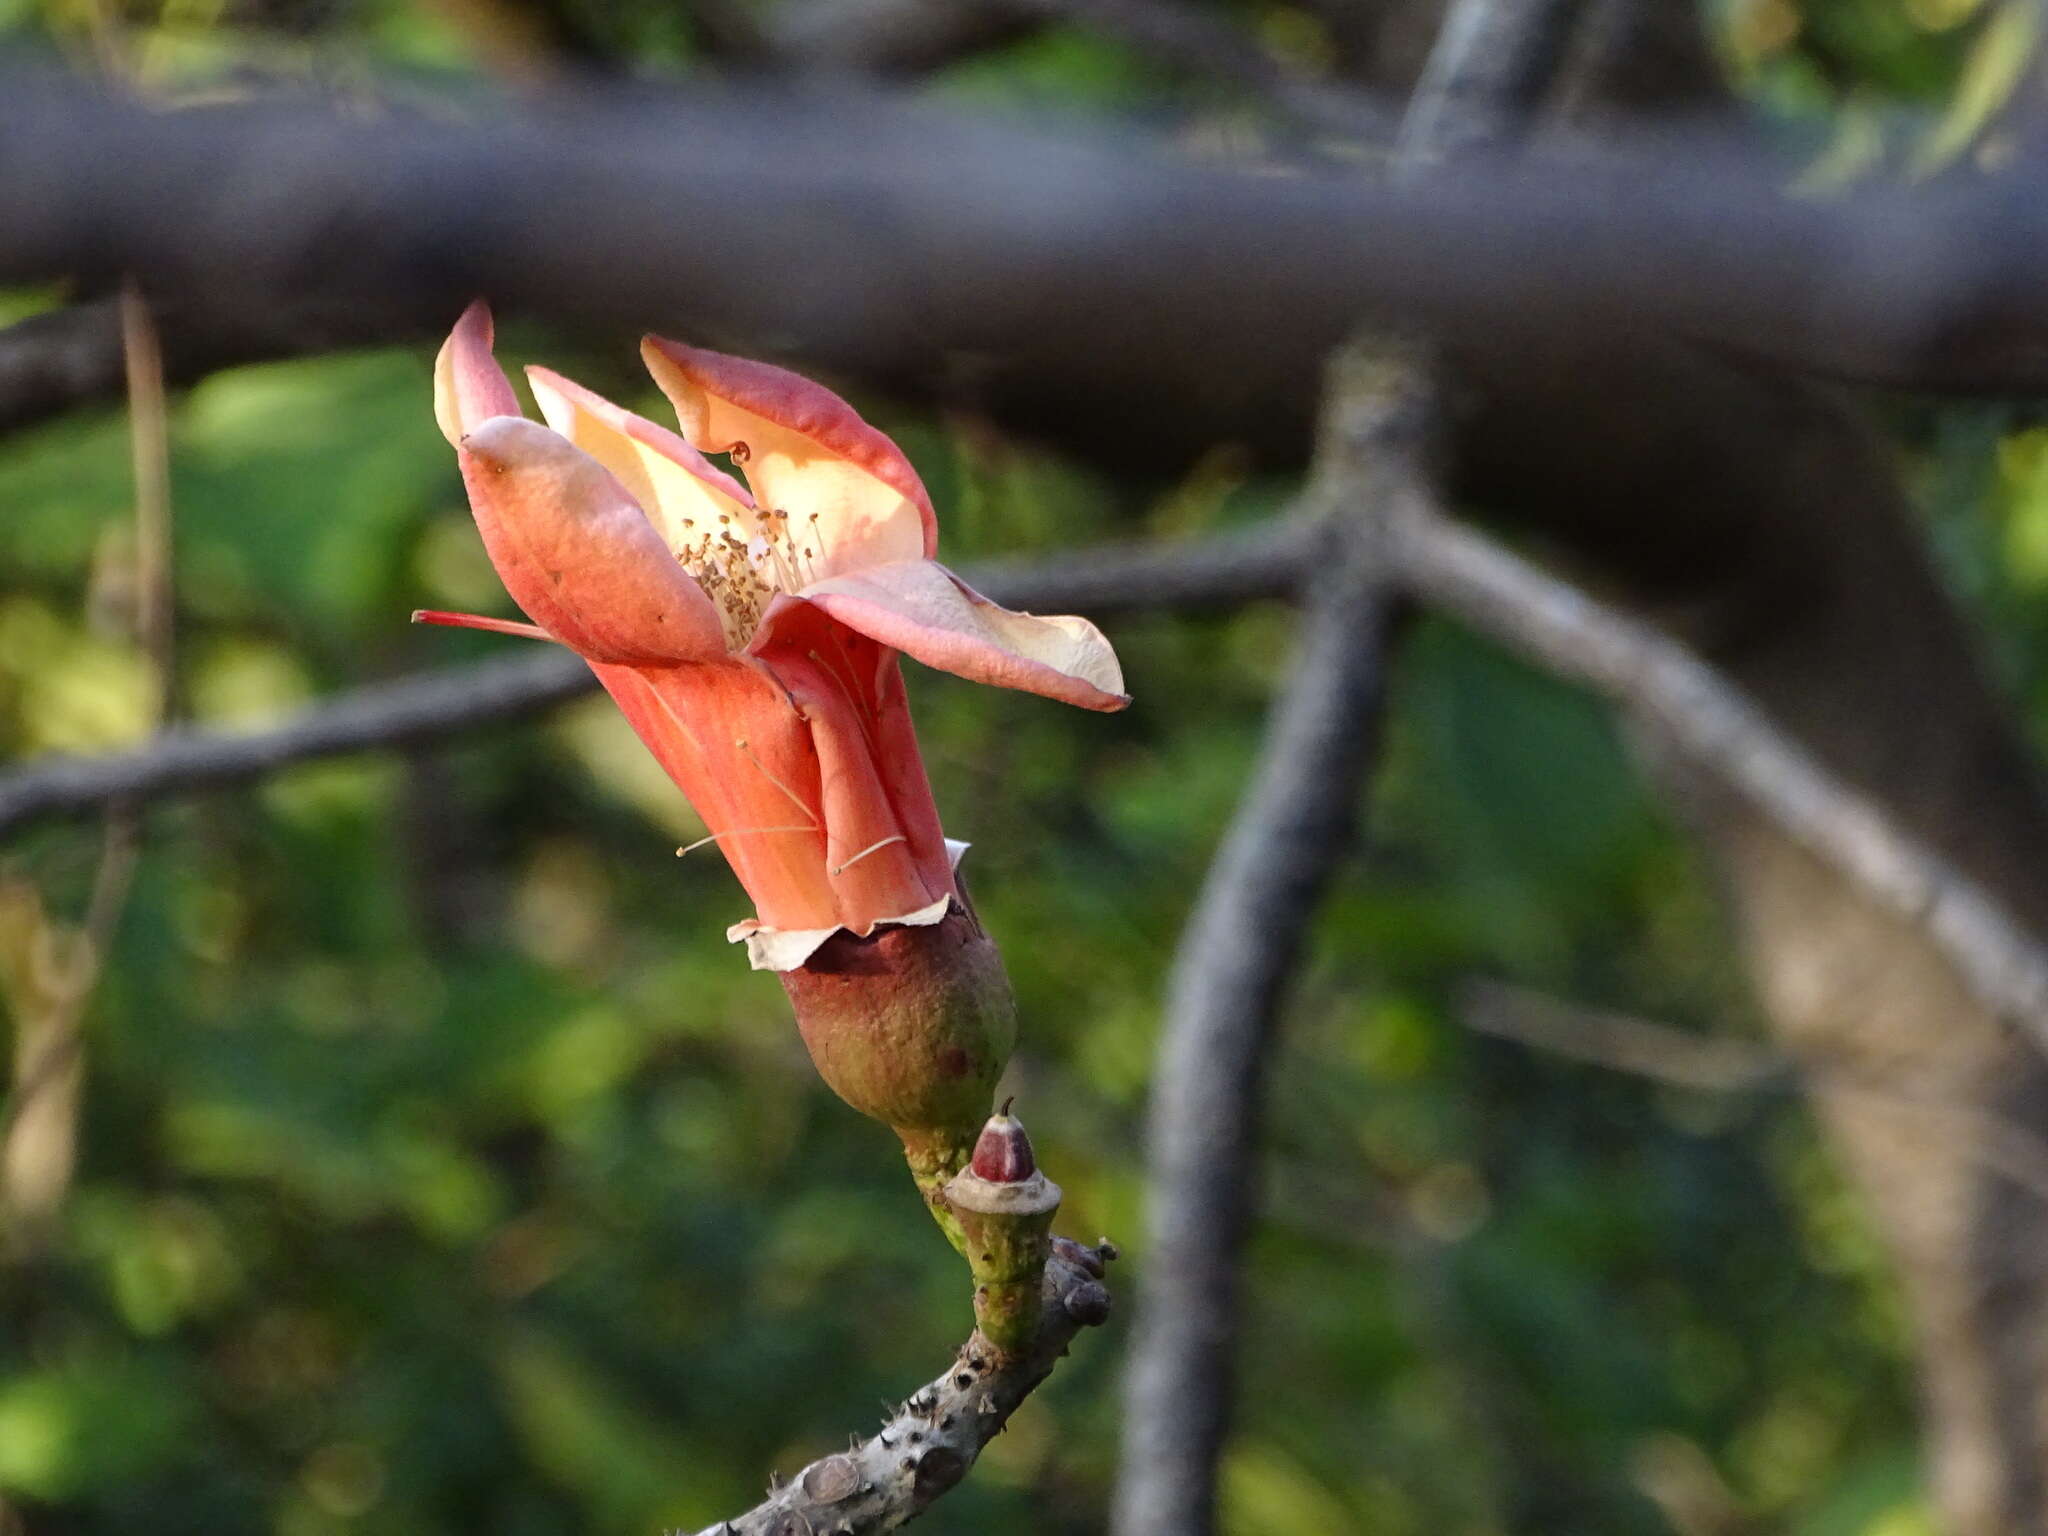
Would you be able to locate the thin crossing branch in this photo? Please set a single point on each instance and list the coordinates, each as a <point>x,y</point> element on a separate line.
<point>1219,572</point>
<point>1690,706</point>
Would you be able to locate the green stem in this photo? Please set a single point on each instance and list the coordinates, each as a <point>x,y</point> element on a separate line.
<point>934,1157</point>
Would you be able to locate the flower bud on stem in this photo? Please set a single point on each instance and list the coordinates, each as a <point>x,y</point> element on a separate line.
<point>1005,1208</point>
<point>912,1025</point>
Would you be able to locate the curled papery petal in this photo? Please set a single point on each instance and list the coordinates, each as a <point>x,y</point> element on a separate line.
<point>679,489</point>
<point>577,553</point>
<point>785,949</point>
<point>469,386</point>
<point>851,496</point>
<point>924,610</point>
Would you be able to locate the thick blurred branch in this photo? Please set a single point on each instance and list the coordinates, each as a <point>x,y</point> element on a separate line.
<point>1239,951</point>
<point>929,1443</point>
<point>1222,571</point>
<point>1050,279</point>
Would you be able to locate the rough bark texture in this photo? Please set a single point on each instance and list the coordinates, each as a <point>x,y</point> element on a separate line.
<point>928,1444</point>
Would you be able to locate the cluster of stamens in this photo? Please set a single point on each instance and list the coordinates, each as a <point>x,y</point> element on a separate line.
<point>744,559</point>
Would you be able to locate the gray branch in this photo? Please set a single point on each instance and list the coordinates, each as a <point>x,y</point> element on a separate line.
<point>1109,284</point>
<point>1220,572</point>
<point>929,1443</point>
<point>1486,75</point>
<point>1374,466</point>
<point>1241,946</point>
<point>1687,1059</point>
<point>1689,706</point>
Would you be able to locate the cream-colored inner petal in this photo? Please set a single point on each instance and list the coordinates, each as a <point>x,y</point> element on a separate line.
<point>675,500</point>
<point>841,515</point>
<point>741,556</point>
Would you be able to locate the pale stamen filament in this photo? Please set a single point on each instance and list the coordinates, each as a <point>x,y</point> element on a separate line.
<point>816,824</point>
<point>871,848</point>
<point>737,832</point>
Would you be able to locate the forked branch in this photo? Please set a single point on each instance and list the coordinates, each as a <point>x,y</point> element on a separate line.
<point>931,1440</point>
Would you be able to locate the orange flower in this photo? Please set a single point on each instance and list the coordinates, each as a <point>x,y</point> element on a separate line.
<point>750,632</point>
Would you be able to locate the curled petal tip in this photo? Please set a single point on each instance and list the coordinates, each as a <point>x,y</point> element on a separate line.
<point>927,612</point>
<point>469,386</point>
<point>577,553</point>
<point>806,450</point>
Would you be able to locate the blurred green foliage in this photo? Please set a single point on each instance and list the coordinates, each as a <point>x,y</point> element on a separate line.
<point>442,1170</point>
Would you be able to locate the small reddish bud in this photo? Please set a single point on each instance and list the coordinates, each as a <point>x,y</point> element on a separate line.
<point>1002,1153</point>
<point>1005,1207</point>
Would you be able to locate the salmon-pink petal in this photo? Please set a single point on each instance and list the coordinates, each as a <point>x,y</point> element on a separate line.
<point>806,453</point>
<point>683,494</point>
<point>809,651</point>
<point>577,553</point>
<point>469,386</point>
<point>925,611</point>
<point>903,778</point>
<point>741,754</point>
<point>869,858</point>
